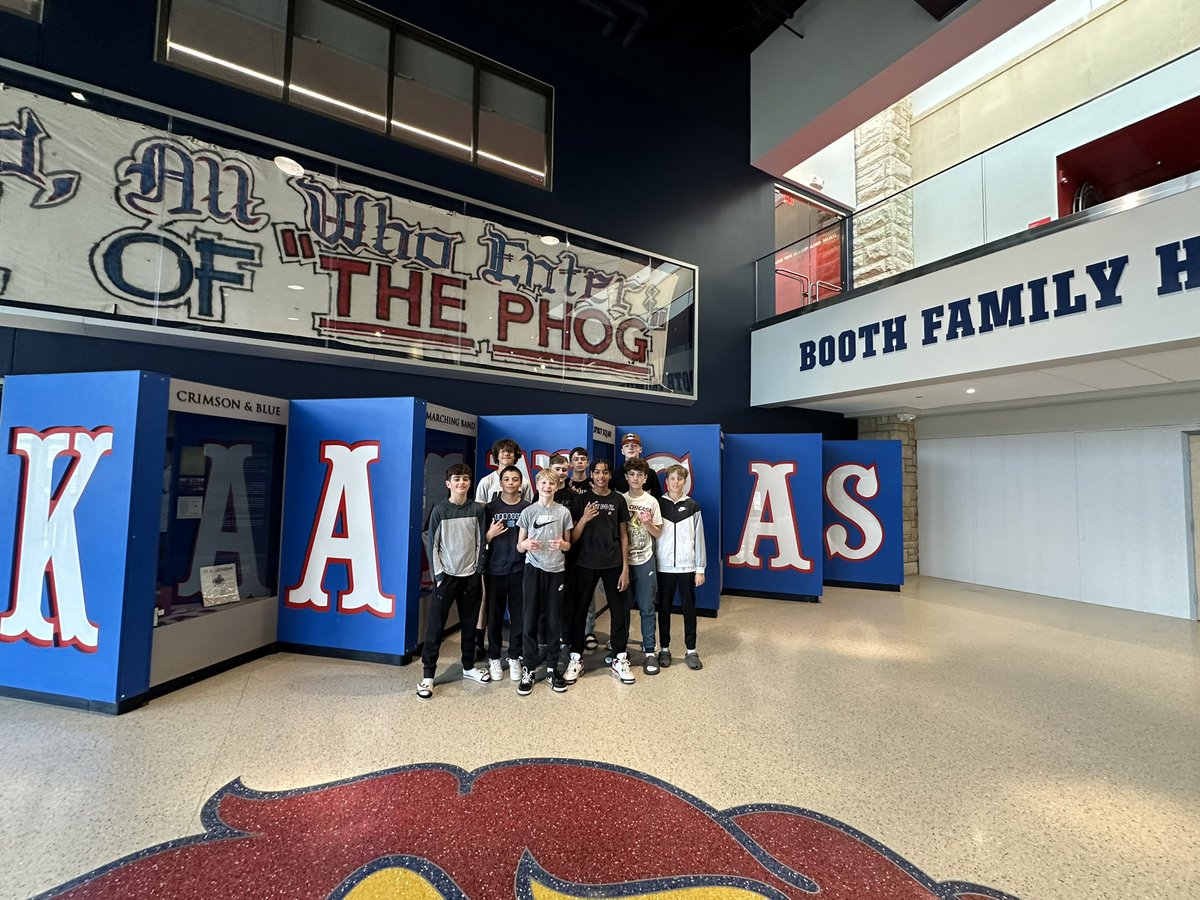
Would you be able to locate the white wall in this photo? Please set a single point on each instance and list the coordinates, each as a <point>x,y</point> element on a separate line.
<point>1042,25</point>
<point>835,167</point>
<point>1016,182</point>
<point>794,81</point>
<point>1098,516</point>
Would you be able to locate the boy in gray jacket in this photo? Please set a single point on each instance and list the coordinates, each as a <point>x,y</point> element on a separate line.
<point>456,542</point>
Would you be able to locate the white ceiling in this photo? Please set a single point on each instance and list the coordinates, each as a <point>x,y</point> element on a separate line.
<point>1167,371</point>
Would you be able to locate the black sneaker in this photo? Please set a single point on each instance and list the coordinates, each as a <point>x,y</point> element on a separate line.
<point>650,663</point>
<point>664,658</point>
<point>525,685</point>
<point>557,683</point>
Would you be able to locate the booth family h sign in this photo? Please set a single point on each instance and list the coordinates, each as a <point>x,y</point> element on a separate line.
<point>1119,284</point>
<point>165,229</point>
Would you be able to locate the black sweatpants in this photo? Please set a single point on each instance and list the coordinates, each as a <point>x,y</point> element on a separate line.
<point>685,583</point>
<point>466,591</point>
<point>583,587</point>
<point>543,593</point>
<point>504,591</point>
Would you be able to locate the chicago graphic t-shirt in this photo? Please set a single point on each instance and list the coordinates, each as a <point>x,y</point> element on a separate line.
<point>641,542</point>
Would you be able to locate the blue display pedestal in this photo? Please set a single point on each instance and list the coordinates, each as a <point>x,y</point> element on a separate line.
<point>351,552</point>
<point>772,518</point>
<point>863,526</point>
<point>81,484</point>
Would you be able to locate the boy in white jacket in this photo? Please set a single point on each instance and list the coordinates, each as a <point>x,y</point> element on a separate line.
<point>681,557</point>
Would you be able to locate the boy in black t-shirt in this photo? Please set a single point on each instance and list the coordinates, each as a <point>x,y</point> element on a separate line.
<point>504,573</point>
<point>577,482</point>
<point>601,536</point>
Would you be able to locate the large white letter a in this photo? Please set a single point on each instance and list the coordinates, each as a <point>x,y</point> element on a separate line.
<point>346,495</point>
<point>771,495</point>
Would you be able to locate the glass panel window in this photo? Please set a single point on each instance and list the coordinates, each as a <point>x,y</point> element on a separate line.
<point>340,64</point>
<point>433,98</point>
<point>512,128</point>
<point>808,263</point>
<point>241,41</point>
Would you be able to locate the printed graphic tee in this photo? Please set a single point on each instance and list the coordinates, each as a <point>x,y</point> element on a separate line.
<point>503,557</point>
<point>600,544</point>
<point>641,542</point>
<point>545,523</point>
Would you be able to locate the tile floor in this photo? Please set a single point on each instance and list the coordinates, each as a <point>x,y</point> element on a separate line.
<point>1046,748</point>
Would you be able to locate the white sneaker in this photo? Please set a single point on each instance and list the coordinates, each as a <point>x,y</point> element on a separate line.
<point>574,669</point>
<point>514,670</point>
<point>496,669</point>
<point>620,669</point>
<point>478,674</point>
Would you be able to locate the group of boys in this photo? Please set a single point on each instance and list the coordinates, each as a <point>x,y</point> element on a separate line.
<point>539,557</point>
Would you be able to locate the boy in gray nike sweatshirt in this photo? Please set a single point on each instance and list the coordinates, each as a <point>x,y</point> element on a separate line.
<point>456,543</point>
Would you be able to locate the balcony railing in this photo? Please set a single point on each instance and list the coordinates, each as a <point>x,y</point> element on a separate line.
<point>1026,184</point>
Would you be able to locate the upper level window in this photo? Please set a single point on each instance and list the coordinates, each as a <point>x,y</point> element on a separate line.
<point>340,64</point>
<point>30,9</point>
<point>512,126</point>
<point>433,97</point>
<point>348,63</point>
<point>242,41</point>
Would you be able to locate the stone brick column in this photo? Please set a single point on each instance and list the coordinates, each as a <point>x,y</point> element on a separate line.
<point>883,243</point>
<point>893,428</point>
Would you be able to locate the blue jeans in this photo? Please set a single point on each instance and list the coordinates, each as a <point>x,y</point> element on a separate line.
<point>643,586</point>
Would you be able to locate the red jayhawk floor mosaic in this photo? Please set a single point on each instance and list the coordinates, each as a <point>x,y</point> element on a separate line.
<point>531,829</point>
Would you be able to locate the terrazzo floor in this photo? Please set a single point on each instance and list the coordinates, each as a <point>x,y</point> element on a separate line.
<point>1044,748</point>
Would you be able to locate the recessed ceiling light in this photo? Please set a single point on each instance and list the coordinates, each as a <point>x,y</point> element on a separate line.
<point>295,287</point>
<point>289,166</point>
<point>293,318</point>
<point>970,390</point>
<point>549,240</point>
<point>78,95</point>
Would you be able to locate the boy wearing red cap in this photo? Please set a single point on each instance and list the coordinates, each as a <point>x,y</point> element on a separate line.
<point>631,448</point>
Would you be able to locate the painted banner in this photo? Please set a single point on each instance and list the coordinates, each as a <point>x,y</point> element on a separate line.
<point>107,218</point>
<point>350,549</point>
<point>773,514</point>
<point>80,487</point>
<point>864,530</point>
<point>698,449</point>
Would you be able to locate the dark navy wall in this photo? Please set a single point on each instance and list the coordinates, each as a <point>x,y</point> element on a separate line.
<point>651,147</point>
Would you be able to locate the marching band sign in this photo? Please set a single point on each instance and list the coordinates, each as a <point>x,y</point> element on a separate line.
<point>162,228</point>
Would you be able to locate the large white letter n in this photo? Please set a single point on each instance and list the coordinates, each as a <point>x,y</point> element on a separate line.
<point>770,515</point>
<point>344,532</point>
<point>47,545</point>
